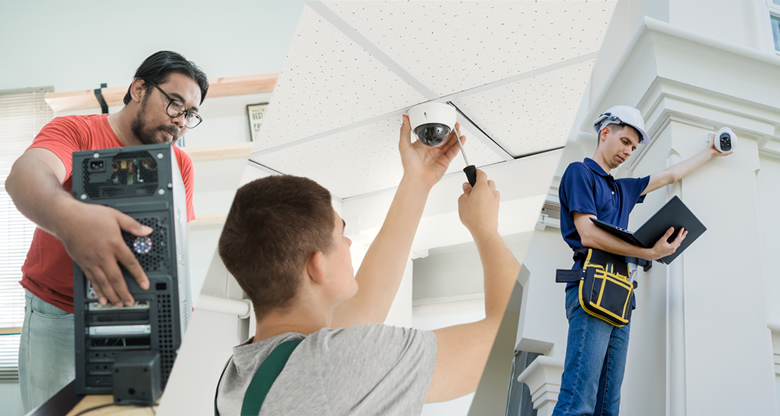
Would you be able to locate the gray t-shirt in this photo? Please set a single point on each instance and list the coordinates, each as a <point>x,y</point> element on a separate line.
<point>363,370</point>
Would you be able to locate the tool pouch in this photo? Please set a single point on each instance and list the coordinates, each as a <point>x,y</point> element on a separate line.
<point>604,287</point>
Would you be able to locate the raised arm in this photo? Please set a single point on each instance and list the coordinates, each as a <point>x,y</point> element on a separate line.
<point>90,233</point>
<point>463,349</point>
<point>680,170</point>
<point>594,237</point>
<point>383,266</point>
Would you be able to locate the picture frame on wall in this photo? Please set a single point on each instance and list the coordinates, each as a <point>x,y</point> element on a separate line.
<point>255,114</point>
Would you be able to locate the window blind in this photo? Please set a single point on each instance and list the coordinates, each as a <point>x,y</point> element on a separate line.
<point>22,114</point>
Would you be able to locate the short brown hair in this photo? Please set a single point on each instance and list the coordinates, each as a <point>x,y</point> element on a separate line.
<point>274,225</point>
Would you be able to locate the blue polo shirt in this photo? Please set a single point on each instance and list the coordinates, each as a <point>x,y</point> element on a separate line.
<point>587,189</point>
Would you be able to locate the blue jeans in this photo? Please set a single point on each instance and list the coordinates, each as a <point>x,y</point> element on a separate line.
<point>595,363</point>
<point>47,357</point>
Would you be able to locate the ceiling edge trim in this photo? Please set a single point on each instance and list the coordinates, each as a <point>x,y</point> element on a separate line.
<point>256,165</point>
<point>481,135</point>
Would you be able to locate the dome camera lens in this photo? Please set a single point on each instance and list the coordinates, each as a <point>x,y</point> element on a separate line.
<point>725,141</point>
<point>432,134</point>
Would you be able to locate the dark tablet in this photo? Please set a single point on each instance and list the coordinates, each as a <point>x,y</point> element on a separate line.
<point>673,214</point>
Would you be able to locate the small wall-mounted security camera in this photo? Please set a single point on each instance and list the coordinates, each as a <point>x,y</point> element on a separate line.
<point>725,140</point>
<point>432,122</point>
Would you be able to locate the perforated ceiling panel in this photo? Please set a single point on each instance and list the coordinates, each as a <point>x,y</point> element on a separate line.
<point>476,151</point>
<point>516,69</point>
<point>328,82</point>
<point>375,164</point>
<point>533,114</point>
<point>453,46</point>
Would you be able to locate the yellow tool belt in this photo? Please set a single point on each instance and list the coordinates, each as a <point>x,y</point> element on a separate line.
<point>605,290</point>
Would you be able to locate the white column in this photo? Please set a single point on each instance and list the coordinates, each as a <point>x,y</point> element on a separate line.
<point>724,326</point>
<point>675,321</point>
<point>543,378</point>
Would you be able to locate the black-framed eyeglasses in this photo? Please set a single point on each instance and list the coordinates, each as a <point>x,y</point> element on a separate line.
<point>176,108</point>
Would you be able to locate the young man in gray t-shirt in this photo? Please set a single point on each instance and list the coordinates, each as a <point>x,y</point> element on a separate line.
<point>285,246</point>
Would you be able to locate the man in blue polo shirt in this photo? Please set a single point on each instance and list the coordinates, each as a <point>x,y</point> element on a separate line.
<point>596,350</point>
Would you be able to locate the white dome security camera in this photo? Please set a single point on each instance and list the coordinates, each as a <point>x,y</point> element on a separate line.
<point>432,122</point>
<point>725,140</point>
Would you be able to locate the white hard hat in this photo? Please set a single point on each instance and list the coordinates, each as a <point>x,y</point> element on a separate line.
<point>622,114</point>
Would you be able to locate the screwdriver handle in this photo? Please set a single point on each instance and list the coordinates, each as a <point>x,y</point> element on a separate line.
<point>471,174</point>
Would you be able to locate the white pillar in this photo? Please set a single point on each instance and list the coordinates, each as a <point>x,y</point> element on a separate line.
<point>675,321</point>
<point>723,285</point>
<point>543,378</point>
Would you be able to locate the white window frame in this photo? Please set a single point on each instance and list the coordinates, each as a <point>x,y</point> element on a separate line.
<point>23,113</point>
<point>774,13</point>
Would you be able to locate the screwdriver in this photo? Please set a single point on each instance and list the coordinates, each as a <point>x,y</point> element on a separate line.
<point>470,170</point>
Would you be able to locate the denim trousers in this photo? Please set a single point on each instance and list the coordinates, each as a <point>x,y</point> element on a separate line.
<point>47,357</point>
<point>595,363</point>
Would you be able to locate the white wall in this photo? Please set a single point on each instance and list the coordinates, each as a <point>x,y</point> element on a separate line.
<point>77,45</point>
<point>448,290</point>
<point>542,325</point>
<point>743,22</point>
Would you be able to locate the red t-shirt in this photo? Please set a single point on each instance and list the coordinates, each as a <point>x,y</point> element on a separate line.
<point>48,270</point>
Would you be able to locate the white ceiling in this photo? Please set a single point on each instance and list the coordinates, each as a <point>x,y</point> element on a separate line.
<point>516,69</point>
<point>533,114</point>
<point>453,46</point>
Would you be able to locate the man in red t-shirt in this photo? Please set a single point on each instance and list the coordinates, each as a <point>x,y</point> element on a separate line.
<point>160,105</point>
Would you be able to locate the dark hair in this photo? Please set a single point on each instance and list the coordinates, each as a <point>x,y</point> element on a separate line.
<point>274,225</point>
<point>160,65</point>
<point>615,127</point>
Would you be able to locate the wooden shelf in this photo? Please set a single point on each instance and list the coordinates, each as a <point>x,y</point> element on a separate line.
<point>219,151</point>
<point>218,87</point>
<point>208,219</point>
<point>18,330</point>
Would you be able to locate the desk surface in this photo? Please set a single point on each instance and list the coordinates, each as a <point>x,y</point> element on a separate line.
<point>97,400</point>
<point>67,403</point>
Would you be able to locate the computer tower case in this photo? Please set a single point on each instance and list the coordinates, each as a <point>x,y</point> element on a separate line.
<point>143,182</point>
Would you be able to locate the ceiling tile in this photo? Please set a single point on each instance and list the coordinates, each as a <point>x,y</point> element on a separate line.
<point>477,152</point>
<point>533,114</point>
<point>454,46</point>
<point>362,160</point>
<point>327,82</point>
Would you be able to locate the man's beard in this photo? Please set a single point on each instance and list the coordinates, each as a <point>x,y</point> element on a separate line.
<point>149,135</point>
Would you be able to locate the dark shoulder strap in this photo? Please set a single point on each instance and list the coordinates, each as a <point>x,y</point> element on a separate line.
<point>216,393</point>
<point>265,376</point>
